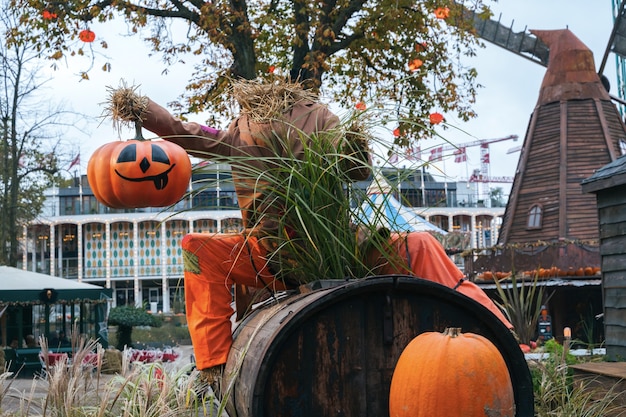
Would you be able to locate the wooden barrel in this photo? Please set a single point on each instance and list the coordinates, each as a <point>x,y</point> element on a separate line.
<point>332,352</point>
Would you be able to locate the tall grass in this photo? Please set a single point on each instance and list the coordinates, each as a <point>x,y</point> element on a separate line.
<point>559,394</point>
<point>156,389</point>
<point>77,389</point>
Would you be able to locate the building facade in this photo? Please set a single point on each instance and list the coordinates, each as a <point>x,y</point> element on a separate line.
<point>137,253</point>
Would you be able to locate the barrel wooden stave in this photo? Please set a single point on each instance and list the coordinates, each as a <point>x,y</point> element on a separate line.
<point>332,352</point>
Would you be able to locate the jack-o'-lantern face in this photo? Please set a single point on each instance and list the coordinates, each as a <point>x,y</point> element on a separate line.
<point>118,173</point>
<point>154,166</point>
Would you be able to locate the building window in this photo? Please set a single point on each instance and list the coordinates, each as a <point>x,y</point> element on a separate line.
<point>535,217</point>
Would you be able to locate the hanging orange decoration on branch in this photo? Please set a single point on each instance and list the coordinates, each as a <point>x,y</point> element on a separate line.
<point>442,12</point>
<point>435,118</point>
<point>87,36</point>
<point>48,15</point>
<point>415,64</point>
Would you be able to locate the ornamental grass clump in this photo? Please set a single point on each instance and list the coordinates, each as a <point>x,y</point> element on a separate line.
<point>304,206</point>
<point>559,394</point>
<point>522,304</point>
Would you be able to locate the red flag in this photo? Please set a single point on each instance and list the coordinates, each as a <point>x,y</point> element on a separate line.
<point>393,158</point>
<point>436,154</point>
<point>460,155</point>
<point>75,161</point>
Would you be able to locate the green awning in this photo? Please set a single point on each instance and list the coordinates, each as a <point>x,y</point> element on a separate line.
<point>21,286</point>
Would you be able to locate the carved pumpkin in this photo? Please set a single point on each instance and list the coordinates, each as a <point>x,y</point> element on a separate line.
<point>451,374</point>
<point>139,173</point>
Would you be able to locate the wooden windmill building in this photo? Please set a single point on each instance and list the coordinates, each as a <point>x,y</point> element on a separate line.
<point>575,129</point>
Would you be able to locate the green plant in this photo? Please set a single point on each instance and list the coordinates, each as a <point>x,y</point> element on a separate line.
<point>305,204</point>
<point>127,317</point>
<point>558,394</point>
<point>521,302</point>
<point>587,325</point>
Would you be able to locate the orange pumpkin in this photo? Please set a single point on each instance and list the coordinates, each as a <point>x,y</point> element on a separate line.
<point>139,173</point>
<point>451,374</point>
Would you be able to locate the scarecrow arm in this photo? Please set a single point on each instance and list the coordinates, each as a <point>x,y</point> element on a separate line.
<point>198,140</point>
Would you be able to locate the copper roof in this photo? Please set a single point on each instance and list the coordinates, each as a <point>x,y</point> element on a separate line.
<point>574,130</point>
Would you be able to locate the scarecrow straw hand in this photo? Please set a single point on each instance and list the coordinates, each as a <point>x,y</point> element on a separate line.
<point>126,106</point>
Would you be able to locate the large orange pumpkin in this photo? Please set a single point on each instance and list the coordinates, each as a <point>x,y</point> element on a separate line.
<point>139,173</point>
<point>451,374</point>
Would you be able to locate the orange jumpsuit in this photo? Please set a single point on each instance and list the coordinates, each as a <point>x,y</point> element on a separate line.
<point>215,261</point>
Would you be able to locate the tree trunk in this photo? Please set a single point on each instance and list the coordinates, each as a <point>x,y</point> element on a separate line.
<point>244,57</point>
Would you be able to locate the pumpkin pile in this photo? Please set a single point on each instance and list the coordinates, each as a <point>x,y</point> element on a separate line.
<point>542,273</point>
<point>138,172</point>
<point>554,272</point>
<point>451,374</point>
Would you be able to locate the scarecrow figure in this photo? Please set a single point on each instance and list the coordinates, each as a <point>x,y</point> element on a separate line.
<point>277,125</point>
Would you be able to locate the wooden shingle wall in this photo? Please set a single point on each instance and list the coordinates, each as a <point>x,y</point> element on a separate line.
<point>612,217</point>
<point>609,185</point>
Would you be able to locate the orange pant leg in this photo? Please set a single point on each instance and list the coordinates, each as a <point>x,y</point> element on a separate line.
<point>421,255</point>
<point>213,262</point>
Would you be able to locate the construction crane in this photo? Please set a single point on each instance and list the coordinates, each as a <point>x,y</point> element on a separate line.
<point>459,151</point>
<point>481,176</point>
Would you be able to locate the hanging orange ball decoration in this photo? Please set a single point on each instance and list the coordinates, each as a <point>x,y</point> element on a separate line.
<point>442,12</point>
<point>435,118</point>
<point>87,36</point>
<point>415,64</point>
<point>451,374</point>
<point>48,15</point>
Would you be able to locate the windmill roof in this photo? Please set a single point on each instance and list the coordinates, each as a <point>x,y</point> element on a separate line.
<point>574,130</point>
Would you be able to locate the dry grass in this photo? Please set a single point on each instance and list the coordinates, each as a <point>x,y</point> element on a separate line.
<point>77,390</point>
<point>264,101</point>
<point>153,390</point>
<point>125,106</point>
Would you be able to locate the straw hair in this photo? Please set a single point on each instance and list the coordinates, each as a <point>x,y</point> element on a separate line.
<point>264,101</point>
<point>125,105</point>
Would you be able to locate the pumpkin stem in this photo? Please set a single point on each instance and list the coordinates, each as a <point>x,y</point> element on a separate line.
<point>452,331</point>
<point>138,133</point>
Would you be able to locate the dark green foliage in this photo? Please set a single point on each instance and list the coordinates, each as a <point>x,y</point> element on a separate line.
<point>127,317</point>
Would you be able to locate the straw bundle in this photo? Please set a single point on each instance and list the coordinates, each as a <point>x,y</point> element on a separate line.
<point>125,105</point>
<point>263,101</point>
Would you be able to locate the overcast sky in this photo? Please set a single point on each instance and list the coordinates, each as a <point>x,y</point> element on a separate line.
<point>504,104</point>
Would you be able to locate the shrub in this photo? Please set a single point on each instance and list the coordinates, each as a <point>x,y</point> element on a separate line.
<point>126,317</point>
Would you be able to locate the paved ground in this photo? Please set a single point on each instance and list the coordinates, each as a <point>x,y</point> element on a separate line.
<point>13,390</point>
